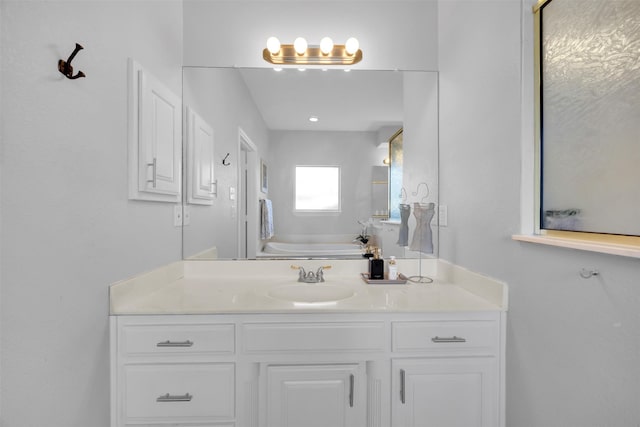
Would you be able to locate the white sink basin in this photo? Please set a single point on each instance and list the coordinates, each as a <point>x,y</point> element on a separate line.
<point>311,293</point>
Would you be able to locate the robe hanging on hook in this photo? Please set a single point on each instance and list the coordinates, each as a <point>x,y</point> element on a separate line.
<point>224,161</point>
<point>65,66</point>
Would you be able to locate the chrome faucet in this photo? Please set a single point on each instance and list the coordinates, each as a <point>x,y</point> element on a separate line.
<point>311,276</point>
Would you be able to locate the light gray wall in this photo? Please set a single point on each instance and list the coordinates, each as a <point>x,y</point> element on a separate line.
<point>68,230</point>
<point>573,345</point>
<point>220,96</point>
<point>354,152</point>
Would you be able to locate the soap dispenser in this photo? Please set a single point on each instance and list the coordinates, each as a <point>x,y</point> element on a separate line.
<point>376,266</point>
<point>393,268</point>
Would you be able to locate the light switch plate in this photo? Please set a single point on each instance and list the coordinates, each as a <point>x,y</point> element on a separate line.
<point>177,215</point>
<point>186,215</point>
<point>443,215</point>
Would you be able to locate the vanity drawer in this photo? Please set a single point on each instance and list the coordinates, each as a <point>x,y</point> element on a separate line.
<point>313,337</point>
<point>216,339</point>
<point>480,336</point>
<point>177,393</point>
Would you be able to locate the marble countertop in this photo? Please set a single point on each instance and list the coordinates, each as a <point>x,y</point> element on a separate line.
<point>212,287</point>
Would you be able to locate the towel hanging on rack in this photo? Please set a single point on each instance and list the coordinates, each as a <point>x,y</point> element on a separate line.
<point>266,219</point>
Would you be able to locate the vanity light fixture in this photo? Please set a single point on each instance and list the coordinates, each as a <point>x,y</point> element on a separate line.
<point>301,53</point>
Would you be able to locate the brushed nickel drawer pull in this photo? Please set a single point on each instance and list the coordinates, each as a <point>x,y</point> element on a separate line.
<point>351,384</point>
<point>448,339</point>
<point>168,343</point>
<point>154,170</point>
<point>171,398</point>
<point>402,385</point>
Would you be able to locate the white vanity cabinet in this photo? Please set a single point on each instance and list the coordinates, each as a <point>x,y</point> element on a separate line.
<point>447,373</point>
<point>172,371</point>
<point>308,369</point>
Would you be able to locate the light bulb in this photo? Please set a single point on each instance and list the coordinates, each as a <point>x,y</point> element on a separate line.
<point>326,45</point>
<point>300,45</point>
<point>273,45</point>
<point>351,46</point>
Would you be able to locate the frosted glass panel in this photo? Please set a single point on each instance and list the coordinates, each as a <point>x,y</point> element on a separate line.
<point>590,57</point>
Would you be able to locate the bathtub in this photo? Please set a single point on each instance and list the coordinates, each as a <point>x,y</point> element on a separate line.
<point>287,249</point>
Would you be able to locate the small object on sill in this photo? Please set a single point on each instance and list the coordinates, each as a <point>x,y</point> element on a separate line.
<point>402,279</point>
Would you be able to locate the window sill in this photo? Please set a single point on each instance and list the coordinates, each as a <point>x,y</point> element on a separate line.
<point>592,244</point>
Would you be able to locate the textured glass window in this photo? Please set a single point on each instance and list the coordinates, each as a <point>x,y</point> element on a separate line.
<point>317,188</point>
<point>590,116</point>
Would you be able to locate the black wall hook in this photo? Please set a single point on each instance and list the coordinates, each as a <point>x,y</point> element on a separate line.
<point>224,161</point>
<point>65,66</point>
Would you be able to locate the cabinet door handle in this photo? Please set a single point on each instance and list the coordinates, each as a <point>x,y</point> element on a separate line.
<point>154,168</point>
<point>174,398</point>
<point>448,339</point>
<point>168,343</point>
<point>402,391</point>
<point>352,380</point>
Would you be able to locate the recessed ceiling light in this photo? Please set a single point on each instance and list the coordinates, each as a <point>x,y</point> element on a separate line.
<point>313,119</point>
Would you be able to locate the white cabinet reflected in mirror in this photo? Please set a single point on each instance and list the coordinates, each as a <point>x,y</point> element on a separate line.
<point>288,119</point>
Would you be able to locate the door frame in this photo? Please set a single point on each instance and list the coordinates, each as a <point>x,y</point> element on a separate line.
<point>246,144</point>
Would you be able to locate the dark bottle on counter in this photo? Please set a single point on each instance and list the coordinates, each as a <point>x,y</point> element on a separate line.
<point>376,266</point>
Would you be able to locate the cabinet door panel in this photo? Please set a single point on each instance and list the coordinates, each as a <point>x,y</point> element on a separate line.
<point>160,137</point>
<point>200,167</point>
<point>445,392</point>
<point>314,396</point>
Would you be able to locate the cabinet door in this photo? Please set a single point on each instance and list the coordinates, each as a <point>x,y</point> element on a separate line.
<point>200,179</point>
<point>441,392</point>
<point>316,396</point>
<point>155,138</point>
<point>160,137</point>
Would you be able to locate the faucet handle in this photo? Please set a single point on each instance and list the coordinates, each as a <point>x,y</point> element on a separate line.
<point>301,274</point>
<point>320,274</point>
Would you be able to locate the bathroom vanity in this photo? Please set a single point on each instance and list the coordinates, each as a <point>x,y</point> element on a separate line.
<point>216,344</point>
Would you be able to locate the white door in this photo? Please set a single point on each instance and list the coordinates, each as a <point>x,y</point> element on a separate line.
<point>316,396</point>
<point>445,392</point>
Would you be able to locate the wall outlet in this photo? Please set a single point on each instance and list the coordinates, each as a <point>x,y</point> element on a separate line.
<point>443,215</point>
<point>177,216</point>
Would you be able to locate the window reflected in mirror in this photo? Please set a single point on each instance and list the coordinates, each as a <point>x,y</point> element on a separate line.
<point>317,189</point>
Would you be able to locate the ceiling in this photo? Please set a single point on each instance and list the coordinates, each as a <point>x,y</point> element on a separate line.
<point>359,100</point>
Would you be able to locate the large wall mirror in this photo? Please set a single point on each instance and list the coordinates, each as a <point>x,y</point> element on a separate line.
<point>265,130</point>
